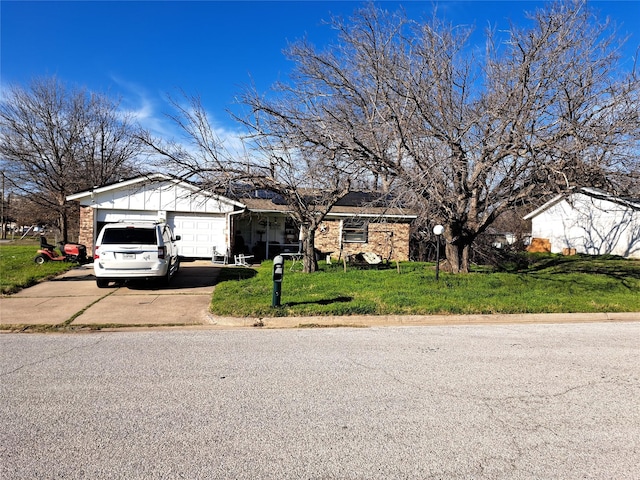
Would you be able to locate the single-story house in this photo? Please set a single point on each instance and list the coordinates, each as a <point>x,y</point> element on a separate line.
<point>258,224</point>
<point>587,221</point>
<point>356,224</point>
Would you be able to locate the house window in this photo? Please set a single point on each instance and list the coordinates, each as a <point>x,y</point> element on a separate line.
<point>355,230</point>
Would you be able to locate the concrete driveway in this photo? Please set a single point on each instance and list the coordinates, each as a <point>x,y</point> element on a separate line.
<point>74,299</point>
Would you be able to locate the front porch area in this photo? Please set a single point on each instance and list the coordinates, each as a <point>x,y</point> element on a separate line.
<point>264,236</point>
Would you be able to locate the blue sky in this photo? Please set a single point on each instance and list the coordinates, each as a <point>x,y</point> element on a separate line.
<point>144,50</point>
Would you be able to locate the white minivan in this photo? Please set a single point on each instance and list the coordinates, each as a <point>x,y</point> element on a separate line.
<point>130,250</point>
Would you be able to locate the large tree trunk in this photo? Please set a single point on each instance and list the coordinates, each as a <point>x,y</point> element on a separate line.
<point>457,260</point>
<point>457,249</point>
<point>64,226</point>
<point>452,262</point>
<point>309,262</point>
<point>64,220</point>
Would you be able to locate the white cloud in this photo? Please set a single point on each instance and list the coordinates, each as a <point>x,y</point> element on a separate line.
<point>152,112</point>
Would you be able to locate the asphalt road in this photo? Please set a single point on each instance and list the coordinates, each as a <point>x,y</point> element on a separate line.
<point>463,402</point>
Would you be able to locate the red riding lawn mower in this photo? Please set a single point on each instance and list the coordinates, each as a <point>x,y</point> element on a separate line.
<point>69,252</point>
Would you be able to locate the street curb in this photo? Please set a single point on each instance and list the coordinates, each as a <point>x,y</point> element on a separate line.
<point>422,320</point>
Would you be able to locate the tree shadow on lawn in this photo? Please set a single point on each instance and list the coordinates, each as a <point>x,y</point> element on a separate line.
<point>616,268</point>
<point>327,301</point>
<point>231,273</point>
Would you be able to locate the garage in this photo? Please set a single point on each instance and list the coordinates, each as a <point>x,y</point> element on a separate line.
<point>201,218</point>
<point>198,233</point>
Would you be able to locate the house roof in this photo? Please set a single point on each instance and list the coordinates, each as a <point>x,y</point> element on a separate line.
<point>363,204</point>
<point>634,204</point>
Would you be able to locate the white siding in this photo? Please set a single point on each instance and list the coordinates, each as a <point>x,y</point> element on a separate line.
<point>590,225</point>
<point>159,196</point>
<point>110,216</point>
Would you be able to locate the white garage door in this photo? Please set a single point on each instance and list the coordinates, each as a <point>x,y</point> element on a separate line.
<point>199,234</point>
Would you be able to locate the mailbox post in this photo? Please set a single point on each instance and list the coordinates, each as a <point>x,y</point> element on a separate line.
<point>278,273</point>
<point>438,230</point>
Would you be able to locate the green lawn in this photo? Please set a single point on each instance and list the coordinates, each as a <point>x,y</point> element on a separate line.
<point>18,270</point>
<point>548,284</point>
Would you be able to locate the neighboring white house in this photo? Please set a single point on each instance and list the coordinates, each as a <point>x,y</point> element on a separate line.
<point>588,221</point>
<point>202,219</point>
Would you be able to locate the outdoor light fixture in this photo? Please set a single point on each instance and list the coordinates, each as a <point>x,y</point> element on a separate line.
<point>438,230</point>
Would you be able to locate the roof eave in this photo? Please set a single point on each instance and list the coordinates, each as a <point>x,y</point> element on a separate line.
<point>341,214</point>
<point>544,207</point>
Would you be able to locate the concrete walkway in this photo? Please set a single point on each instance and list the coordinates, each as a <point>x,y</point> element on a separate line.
<point>74,300</point>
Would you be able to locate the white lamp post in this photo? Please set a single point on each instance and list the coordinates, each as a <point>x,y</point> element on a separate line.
<point>438,230</point>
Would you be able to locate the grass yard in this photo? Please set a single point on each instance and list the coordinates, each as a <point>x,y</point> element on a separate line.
<point>547,284</point>
<point>18,270</point>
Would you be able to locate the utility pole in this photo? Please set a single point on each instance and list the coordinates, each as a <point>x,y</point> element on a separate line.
<point>4,230</point>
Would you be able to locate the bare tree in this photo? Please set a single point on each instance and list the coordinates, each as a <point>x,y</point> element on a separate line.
<point>303,164</point>
<point>272,157</point>
<point>55,141</point>
<point>471,134</point>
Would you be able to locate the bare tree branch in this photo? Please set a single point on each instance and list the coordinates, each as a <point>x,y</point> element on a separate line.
<point>55,141</point>
<point>469,136</point>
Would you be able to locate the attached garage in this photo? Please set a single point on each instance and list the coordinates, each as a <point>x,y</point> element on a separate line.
<point>202,219</point>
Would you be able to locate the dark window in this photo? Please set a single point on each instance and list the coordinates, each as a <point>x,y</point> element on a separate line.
<point>355,230</point>
<point>129,236</point>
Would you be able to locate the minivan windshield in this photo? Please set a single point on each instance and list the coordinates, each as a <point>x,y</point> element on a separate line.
<point>129,236</point>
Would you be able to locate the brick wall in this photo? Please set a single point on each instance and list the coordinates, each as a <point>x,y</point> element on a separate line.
<point>86,228</point>
<point>328,240</point>
<point>384,239</point>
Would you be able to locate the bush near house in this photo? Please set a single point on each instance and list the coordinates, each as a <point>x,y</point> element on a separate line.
<point>532,284</point>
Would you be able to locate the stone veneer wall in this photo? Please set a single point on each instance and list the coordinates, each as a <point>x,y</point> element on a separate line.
<point>86,228</point>
<point>384,239</point>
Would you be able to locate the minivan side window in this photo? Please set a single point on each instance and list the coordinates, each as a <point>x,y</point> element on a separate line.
<point>129,236</point>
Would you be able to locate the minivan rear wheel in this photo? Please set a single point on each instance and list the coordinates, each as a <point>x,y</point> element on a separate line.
<point>164,281</point>
<point>102,282</point>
